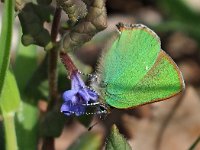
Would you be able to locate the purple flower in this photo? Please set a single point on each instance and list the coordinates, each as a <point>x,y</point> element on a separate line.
<point>75,98</point>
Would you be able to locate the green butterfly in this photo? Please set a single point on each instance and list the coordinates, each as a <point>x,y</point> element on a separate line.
<point>134,70</point>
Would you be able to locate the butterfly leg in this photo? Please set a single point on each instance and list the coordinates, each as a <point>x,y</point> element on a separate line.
<point>101,108</point>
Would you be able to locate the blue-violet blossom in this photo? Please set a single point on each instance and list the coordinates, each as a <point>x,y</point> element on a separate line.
<point>78,95</point>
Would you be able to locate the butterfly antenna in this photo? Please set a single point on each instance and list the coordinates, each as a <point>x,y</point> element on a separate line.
<point>91,127</point>
<point>102,119</point>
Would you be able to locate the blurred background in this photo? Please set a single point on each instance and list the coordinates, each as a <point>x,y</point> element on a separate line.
<point>172,124</point>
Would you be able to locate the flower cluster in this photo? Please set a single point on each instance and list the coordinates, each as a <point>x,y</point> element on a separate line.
<point>76,98</point>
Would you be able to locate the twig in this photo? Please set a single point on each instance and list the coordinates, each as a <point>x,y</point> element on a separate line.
<point>48,142</point>
<point>167,120</point>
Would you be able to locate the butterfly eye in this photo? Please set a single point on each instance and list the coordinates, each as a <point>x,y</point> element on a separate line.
<point>103,108</point>
<point>93,78</point>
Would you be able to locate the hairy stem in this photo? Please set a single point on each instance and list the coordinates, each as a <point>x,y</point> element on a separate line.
<point>68,63</point>
<point>48,142</point>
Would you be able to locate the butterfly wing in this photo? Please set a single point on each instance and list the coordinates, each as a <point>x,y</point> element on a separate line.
<point>163,81</point>
<point>128,59</point>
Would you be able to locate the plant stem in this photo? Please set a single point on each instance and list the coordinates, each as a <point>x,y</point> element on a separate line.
<point>52,77</point>
<point>48,142</point>
<point>55,25</point>
<point>9,125</point>
<point>52,62</point>
<point>5,39</point>
<point>5,44</point>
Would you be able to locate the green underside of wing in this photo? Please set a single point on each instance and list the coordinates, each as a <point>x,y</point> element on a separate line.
<point>164,80</point>
<point>129,58</point>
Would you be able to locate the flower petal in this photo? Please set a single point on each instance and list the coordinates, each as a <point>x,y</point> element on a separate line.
<point>77,82</point>
<point>65,109</point>
<point>79,109</point>
<point>77,96</point>
<point>88,94</point>
<point>75,99</point>
<point>69,109</point>
<point>68,95</point>
<point>83,93</point>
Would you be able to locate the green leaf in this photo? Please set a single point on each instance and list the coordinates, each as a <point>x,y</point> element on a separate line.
<point>9,103</point>
<point>37,87</point>
<point>10,98</point>
<point>116,141</point>
<point>2,136</point>
<point>26,121</point>
<point>87,141</point>
<point>25,65</point>
<point>9,94</point>
<point>178,9</point>
<point>5,39</point>
<point>180,18</point>
<point>52,124</point>
<point>32,18</point>
<point>86,119</point>
<point>174,25</point>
